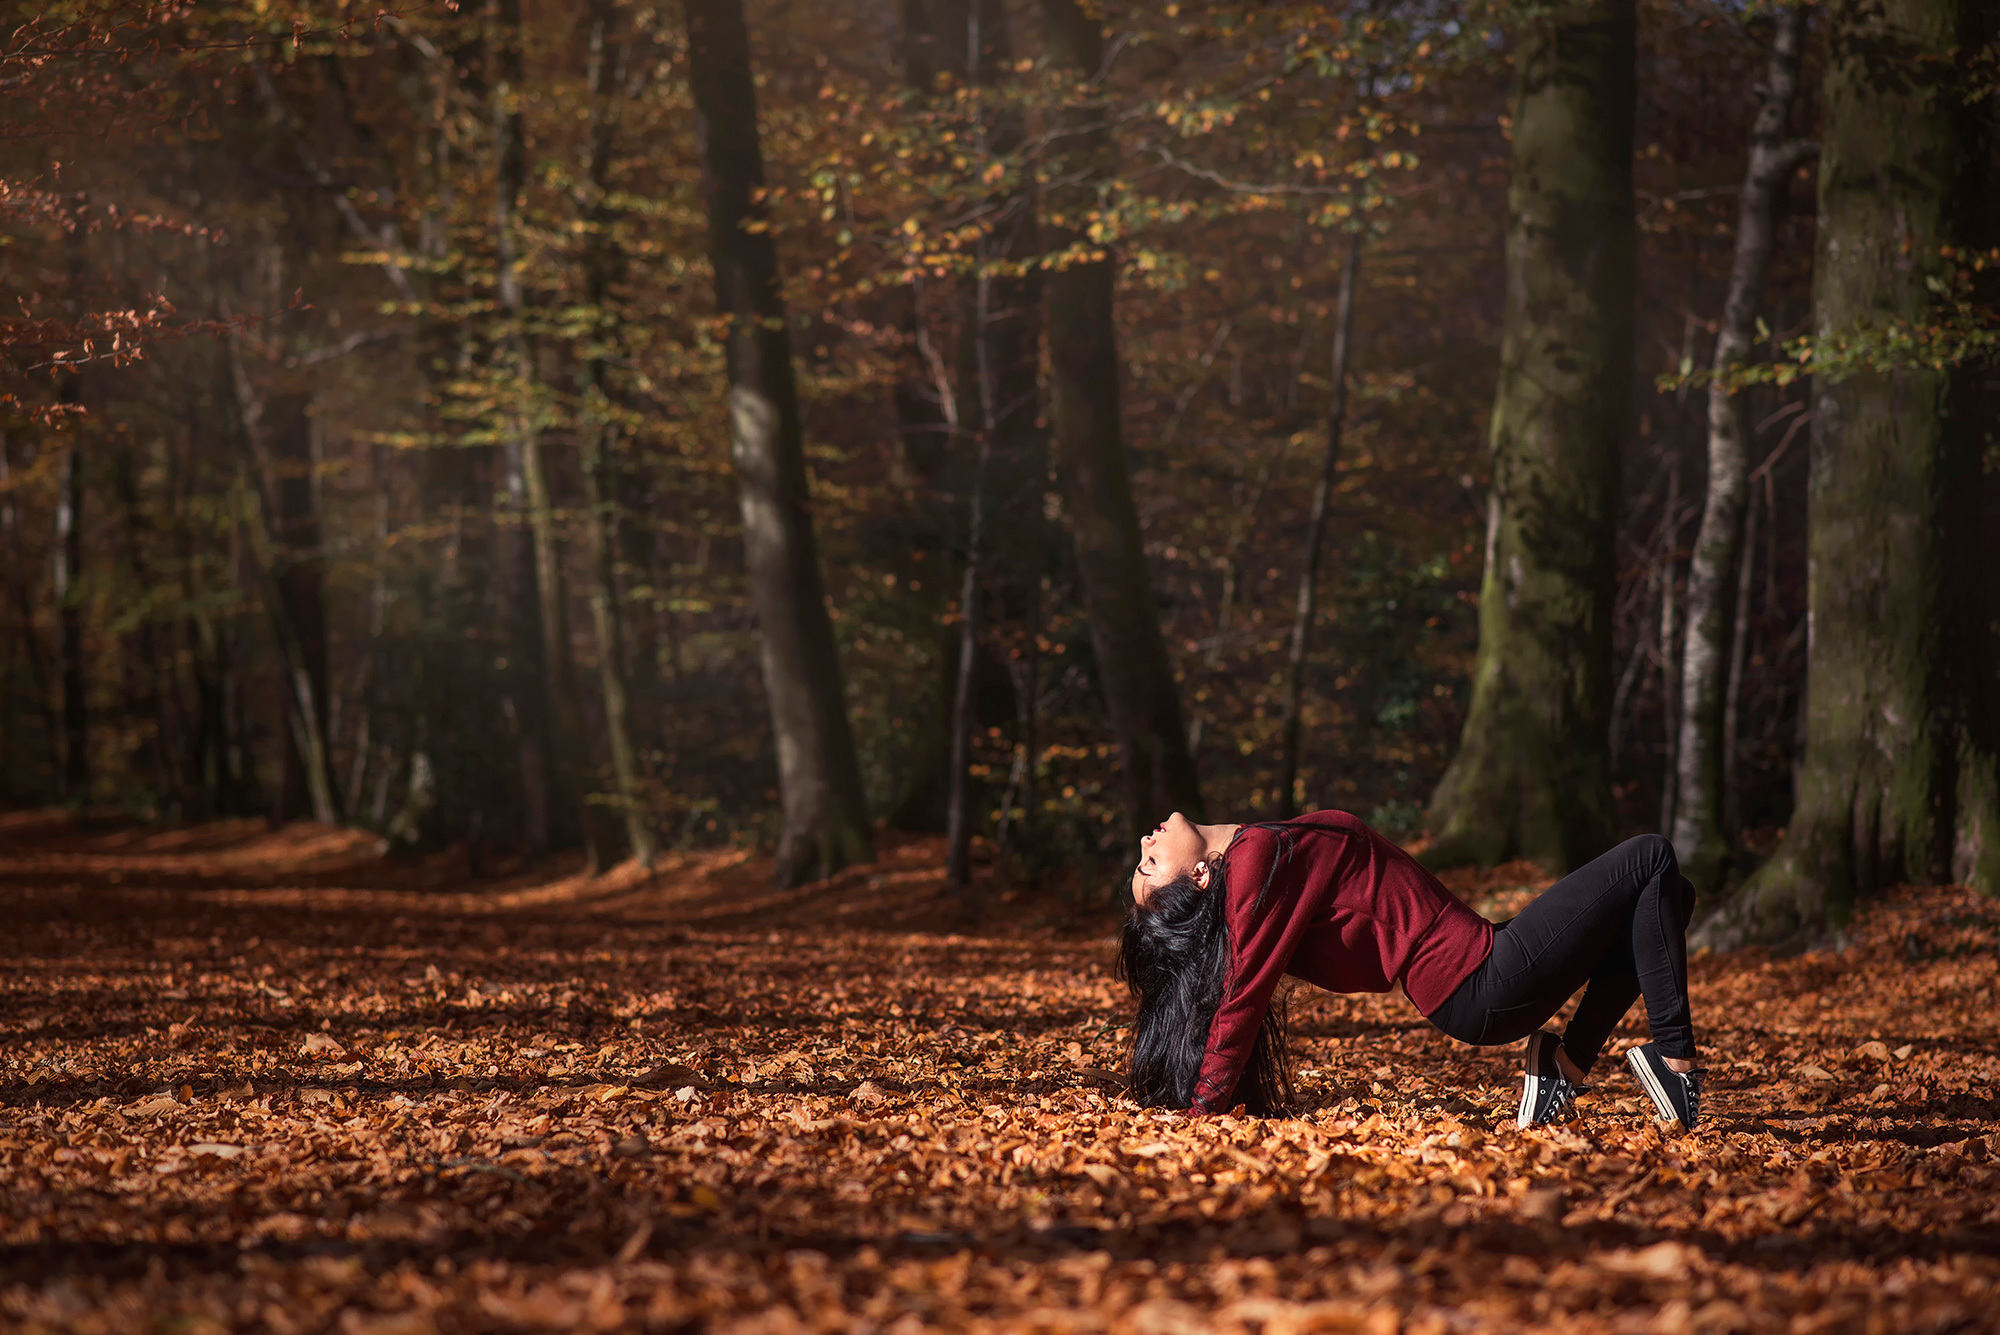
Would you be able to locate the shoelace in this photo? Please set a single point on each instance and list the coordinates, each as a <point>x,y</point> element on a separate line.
<point>1692,1080</point>
<point>1563,1102</point>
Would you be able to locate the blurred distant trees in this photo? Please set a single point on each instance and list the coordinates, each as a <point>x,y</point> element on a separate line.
<point>613,426</point>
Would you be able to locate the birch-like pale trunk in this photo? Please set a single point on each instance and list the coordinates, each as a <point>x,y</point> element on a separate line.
<point>1308,600</point>
<point>1699,833</point>
<point>958,813</point>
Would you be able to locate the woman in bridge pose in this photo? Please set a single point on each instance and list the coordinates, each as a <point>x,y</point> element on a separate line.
<point>1221,912</point>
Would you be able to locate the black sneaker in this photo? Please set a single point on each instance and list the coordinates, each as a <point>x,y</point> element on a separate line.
<point>1676,1094</point>
<point>1547,1095</point>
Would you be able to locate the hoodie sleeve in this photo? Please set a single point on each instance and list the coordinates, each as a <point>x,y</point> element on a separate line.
<point>1261,944</point>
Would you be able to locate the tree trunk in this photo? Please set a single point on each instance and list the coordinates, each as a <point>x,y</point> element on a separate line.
<point>1308,599</point>
<point>1133,669</point>
<point>1887,748</point>
<point>20,577</point>
<point>825,822</point>
<point>69,610</point>
<point>299,574</point>
<point>1532,775</point>
<point>995,374</point>
<point>601,471</point>
<point>565,756</point>
<point>1732,708</point>
<point>958,814</point>
<point>1700,834</point>
<point>1972,509</point>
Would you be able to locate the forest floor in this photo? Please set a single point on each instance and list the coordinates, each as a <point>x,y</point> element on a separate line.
<point>255,1080</point>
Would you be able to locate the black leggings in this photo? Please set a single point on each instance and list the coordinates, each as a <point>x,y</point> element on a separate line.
<point>1618,924</point>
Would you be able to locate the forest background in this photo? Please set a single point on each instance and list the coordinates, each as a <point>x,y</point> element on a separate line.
<point>522,427</point>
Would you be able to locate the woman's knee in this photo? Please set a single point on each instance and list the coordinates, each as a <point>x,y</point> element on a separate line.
<point>1656,853</point>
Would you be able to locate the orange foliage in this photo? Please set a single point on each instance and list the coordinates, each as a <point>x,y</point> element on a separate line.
<point>267,1081</point>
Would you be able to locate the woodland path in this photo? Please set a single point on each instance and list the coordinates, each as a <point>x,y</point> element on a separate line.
<point>255,1080</point>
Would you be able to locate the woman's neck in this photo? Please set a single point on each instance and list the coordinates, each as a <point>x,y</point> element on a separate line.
<point>1217,837</point>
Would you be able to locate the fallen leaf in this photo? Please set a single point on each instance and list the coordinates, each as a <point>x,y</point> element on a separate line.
<point>1662,1260</point>
<point>667,1075</point>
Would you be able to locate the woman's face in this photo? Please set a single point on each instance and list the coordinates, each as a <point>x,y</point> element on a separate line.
<point>1174,849</point>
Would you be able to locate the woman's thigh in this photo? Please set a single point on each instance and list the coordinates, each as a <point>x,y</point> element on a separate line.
<point>1554,945</point>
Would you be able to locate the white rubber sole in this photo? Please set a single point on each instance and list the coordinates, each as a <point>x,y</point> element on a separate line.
<point>1530,1088</point>
<point>1650,1082</point>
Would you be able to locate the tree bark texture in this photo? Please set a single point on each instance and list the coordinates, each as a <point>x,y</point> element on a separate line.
<point>1307,606</point>
<point>825,821</point>
<point>1133,669</point>
<point>1532,775</point>
<point>1700,834</point>
<point>1885,739</point>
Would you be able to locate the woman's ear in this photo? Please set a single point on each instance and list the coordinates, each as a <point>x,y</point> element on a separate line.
<point>1201,874</point>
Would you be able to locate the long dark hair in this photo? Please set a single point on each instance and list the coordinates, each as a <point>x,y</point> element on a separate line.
<point>1174,955</point>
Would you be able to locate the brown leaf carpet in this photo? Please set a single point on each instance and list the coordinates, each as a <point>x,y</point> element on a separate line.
<point>264,1081</point>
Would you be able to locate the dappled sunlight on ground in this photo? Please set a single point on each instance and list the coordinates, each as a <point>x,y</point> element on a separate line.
<point>268,1080</point>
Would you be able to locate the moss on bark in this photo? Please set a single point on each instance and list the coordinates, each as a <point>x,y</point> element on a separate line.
<point>1891,769</point>
<point>1532,775</point>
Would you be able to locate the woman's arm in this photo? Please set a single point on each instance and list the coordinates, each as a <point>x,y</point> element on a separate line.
<point>1262,941</point>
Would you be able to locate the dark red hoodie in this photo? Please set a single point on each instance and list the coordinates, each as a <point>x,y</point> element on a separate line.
<point>1346,910</point>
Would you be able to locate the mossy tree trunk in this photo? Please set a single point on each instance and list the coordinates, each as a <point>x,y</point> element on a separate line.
<point>1897,777</point>
<point>1698,833</point>
<point>1131,653</point>
<point>1532,775</point>
<point>825,820</point>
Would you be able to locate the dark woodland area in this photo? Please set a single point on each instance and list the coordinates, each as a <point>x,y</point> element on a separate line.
<point>597,595</point>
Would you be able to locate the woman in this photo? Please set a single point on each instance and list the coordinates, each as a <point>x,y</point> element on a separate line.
<point>1221,912</point>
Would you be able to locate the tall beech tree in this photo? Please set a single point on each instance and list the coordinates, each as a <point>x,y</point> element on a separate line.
<point>1089,441</point>
<point>1898,779</point>
<point>1532,775</point>
<point>1698,830</point>
<point>825,821</point>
